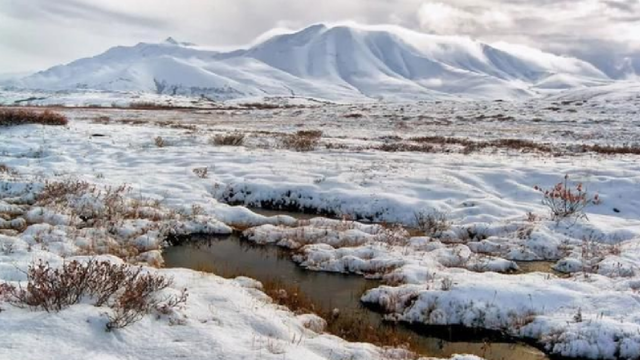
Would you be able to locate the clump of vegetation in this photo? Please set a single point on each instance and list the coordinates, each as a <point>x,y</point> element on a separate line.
<point>13,117</point>
<point>303,140</point>
<point>159,141</point>
<point>202,172</point>
<point>103,119</point>
<point>233,139</point>
<point>351,326</point>
<point>129,292</point>
<point>149,105</point>
<point>432,223</point>
<point>290,296</point>
<point>565,201</point>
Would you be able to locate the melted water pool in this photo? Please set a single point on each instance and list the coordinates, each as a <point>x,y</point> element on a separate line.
<point>232,256</point>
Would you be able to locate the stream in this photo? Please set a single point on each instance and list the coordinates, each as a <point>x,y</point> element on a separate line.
<point>230,256</point>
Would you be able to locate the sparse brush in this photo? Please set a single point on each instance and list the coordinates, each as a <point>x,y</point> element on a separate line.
<point>303,140</point>
<point>129,291</point>
<point>351,326</point>
<point>564,201</point>
<point>4,169</point>
<point>159,141</point>
<point>55,192</point>
<point>202,172</point>
<point>288,295</point>
<point>232,139</point>
<point>432,223</point>
<point>13,117</point>
<point>102,119</point>
<point>446,284</point>
<point>149,105</point>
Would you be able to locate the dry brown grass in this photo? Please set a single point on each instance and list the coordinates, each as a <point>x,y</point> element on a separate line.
<point>232,139</point>
<point>13,117</point>
<point>148,105</point>
<point>303,140</point>
<point>472,145</point>
<point>430,144</point>
<point>612,150</point>
<point>351,326</point>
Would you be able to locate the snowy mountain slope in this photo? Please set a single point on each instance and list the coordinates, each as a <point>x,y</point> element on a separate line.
<point>336,63</point>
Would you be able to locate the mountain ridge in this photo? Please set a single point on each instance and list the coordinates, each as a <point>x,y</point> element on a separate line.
<point>326,62</point>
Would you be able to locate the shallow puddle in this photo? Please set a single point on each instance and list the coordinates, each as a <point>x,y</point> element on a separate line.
<point>231,256</point>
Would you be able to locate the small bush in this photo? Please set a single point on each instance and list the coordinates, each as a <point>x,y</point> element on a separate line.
<point>303,140</point>
<point>55,192</point>
<point>202,172</point>
<point>432,223</point>
<point>565,202</point>
<point>159,141</point>
<point>13,117</point>
<point>233,139</point>
<point>129,291</point>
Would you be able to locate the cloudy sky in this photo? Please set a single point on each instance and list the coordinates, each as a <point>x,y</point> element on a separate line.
<point>36,34</point>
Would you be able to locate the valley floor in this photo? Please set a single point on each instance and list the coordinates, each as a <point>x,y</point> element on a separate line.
<point>470,167</point>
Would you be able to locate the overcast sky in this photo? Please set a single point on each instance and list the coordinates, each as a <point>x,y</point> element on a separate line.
<point>36,34</point>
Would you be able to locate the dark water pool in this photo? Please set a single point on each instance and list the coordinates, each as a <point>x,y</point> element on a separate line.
<point>232,256</point>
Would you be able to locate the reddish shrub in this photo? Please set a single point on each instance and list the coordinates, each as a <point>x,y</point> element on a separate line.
<point>13,117</point>
<point>564,201</point>
<point>129,291</point>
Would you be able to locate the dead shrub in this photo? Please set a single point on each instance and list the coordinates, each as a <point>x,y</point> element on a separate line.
<point>129,291</point>
<point>446,284</point>
<point>138,298</point>
<point>432,223</point>
<point>202,172</point>
<point>303,140</point>
<point>55,192</point>
<point>406,147</point>
<point>612,150</point>
<point>233,139</point>
<point>353,116</point>
<point>159,141</point>
<point>13,117</point>
<point>103,119</point>
<point>264,106</point>
<point>566,202</point>
<point>149,105</point>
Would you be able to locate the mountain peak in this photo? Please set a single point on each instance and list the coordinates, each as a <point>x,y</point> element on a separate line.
<point>171,41</point>
<point>334,62</point>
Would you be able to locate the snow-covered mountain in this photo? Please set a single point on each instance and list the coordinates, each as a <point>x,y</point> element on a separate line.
<point>336,63</point>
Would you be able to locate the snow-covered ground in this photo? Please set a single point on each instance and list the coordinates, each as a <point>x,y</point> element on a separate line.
<point>463,274</point>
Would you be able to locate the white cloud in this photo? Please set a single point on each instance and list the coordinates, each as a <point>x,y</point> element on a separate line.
<point>441,18</point>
